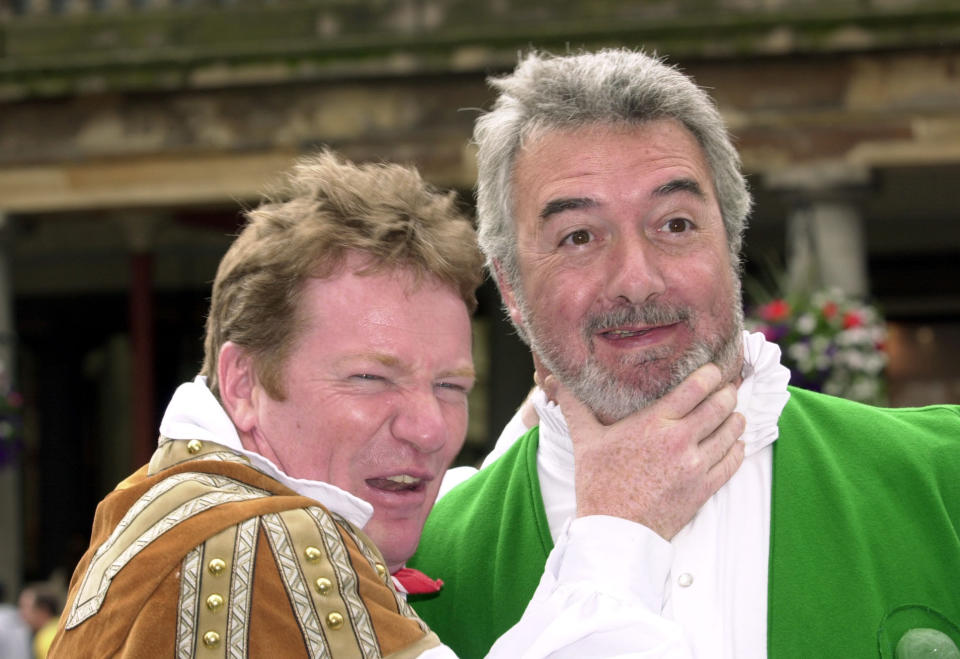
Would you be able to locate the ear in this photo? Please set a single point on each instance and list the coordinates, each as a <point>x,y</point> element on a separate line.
<point>506,292</point>
<point>238,385</point>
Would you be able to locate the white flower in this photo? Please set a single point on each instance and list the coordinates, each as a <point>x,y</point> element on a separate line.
<point>819,344</point>
<point>799,352</point>
<point>806,323</point>
<point>822,362</point>
<point>833,388</point>
<point>863,389</point>
<point>874,362</point>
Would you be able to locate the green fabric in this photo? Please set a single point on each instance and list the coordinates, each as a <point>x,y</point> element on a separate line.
<point>488,539</point>
<point>864,540</point>
<point>864,524</point>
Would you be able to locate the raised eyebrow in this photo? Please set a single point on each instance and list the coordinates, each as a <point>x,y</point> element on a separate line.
<point>387,360</point>
<point>679,185</point>
<point>555,206</point>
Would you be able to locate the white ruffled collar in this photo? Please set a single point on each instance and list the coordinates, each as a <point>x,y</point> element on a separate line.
<point>194,413</point>
<point>761,398</point>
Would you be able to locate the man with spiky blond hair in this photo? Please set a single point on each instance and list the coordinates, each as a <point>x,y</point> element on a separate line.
<point>333,397</point>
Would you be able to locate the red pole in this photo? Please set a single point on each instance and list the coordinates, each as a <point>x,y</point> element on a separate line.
<point>141,331</point>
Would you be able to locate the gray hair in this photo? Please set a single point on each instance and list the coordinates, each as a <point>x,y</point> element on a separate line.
<point>613,86</point>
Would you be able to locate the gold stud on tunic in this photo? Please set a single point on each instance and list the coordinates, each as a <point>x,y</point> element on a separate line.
<point>194,446</point>
<point>313,554</point>
<point>334,620</point>
<point>211,639</point>
<point>323,585</point>
<point>381,569</point>
<point>214,602</point>
<point>217,566</point>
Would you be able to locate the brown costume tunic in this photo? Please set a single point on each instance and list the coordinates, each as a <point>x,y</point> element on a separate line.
<point>199,554</point>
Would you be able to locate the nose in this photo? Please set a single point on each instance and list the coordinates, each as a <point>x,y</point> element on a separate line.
<point>419,421</point>
<point>633,271</point>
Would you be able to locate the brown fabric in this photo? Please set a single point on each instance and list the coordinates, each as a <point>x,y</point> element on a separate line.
<point>393,629</point>
<point>138,617</point>
<point>271,616</point>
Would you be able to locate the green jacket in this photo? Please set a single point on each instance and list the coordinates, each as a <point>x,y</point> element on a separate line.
<point>864,545</point>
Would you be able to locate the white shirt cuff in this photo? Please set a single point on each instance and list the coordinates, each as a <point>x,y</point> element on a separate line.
<point>617,557</point>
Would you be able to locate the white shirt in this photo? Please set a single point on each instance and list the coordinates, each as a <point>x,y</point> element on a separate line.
<point>195,413</point>
<point>615,588</point>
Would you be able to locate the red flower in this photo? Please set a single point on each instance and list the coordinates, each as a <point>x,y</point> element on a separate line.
<point>829,310</point>
<point>852,319</point>
<point>775,311</point>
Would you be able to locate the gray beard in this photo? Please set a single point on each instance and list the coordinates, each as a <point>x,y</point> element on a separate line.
<point>612,399</point>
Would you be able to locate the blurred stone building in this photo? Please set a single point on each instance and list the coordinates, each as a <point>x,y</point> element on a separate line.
<point>132,131</point>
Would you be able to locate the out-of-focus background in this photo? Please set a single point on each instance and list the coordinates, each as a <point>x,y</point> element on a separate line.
<point>132,131</point>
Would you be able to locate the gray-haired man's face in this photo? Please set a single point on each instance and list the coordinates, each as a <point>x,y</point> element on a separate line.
<point>627,280</point>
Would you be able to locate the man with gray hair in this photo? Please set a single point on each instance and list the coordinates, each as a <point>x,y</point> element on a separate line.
<point>677,497</point>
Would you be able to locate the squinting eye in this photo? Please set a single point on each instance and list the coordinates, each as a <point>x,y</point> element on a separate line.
<point>581,237</point>
<point>677,225</point>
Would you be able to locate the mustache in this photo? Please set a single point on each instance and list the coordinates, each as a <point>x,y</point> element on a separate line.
<point>650,313</point>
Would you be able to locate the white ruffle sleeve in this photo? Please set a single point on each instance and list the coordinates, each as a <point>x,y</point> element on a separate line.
<point>600,596</point>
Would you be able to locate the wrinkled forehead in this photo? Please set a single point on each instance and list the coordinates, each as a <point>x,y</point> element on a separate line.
<point>567,154</point>
<point>358,273</point>
<point>537,135</point>
<point>529,165</point>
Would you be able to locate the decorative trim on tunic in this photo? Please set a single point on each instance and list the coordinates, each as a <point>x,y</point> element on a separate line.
<point>376,561</point>
<point>165,505</point>
<point>189,602</point>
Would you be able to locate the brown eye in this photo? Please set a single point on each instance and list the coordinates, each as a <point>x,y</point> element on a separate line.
<point>581,237</point>
<point>677,225</point>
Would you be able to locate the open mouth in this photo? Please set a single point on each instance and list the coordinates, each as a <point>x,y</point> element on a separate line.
<point>624,334</point>
<point>398,483</point>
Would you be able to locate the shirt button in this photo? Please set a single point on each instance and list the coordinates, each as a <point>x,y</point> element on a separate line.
<point>685,580</point>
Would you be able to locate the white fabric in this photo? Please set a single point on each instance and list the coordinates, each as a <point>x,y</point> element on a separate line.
<point>588,605</point>
<point>615,588</point>
<point>195,413</point>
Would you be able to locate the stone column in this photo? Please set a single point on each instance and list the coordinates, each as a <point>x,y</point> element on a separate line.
<point>826,242</point>
<point>11,527</point>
